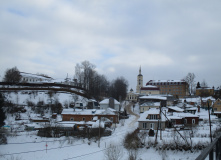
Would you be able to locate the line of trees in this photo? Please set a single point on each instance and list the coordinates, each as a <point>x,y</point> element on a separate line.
<point>97,85</point>
<point>86,76</point>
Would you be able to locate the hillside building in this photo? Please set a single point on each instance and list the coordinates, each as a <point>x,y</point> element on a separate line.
<point>174,87</point>
<point>34,78</point>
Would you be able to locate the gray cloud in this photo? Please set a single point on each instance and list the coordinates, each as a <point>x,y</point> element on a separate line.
<point>167,38</point>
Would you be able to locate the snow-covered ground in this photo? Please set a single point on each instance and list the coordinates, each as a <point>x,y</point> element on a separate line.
<point>27,145</point>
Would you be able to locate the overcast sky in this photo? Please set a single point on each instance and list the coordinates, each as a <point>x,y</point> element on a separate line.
<point>167,38</point>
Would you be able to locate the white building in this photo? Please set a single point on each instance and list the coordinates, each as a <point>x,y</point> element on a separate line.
<point>34,78</point>
<point>110,103</point>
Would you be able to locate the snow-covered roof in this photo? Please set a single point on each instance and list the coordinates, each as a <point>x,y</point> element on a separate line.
<point>173,117</point>
<point>204,88</point>
<point>154,97</point>
<point>191,108</point>
<point>106,101</point>
<point>151,104</point>
<point>164,81</point>
<point>143,116</point>
<point>207,98</point>
<point>178,109</point>
<point>150,87</point>
<point>196,99</point>
<point>108,111</point>
<point>185,115</point>
<point>23,74</point>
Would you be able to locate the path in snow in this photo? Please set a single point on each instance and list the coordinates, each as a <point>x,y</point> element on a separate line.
<point>128,108</point>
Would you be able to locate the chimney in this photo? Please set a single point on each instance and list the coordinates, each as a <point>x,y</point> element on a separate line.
<point>111,103</point>
<point>198,108</point>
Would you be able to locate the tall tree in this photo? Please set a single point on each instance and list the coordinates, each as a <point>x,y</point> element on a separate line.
<point>88,78</point>
<point>204,83</point>
<point>118,88</point>
<point>190,79</point>
<point>198,85</point>
<point>12,75</point>
<point>2,113</point>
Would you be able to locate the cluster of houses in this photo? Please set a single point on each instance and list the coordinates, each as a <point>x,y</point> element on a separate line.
<point>107,112</point>
<point>156,114</point>
<point>159,102</point>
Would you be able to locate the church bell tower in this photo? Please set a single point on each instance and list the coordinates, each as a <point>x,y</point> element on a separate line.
<point>139,81</point>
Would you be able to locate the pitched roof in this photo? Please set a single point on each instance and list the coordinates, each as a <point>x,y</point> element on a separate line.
<point>175,108</point>
<point>106,101</point>
<point>108,111</point>
<point>143,116</point>
<point>154,97</point>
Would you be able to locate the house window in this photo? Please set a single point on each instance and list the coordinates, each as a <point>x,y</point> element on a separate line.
<point>71,119</point>
<point>185,121</point>
<point>151,125</point>
<point>144,125</point>
<point>153,116</point>
<point>193,121</point>
<point>173,121</point>
<point>215,109</point>
<point>83,119</point>
<point>111,118</point>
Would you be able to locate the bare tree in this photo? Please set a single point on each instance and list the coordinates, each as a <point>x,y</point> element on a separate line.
<point>118,88</point>
<point>12,75</point>
<point>113,152</point>
<point>204,84</point>
<point>190,79</point>
<point>86,77</point>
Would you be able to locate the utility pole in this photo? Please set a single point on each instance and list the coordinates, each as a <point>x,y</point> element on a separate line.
<point>99,132</point>
<point>209,122</point>
<point>160,124</point>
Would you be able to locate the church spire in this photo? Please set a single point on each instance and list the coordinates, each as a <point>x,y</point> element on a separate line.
<point>140,72</point>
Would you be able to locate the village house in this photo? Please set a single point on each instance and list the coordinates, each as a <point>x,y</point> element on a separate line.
<point>132,96</point>
<point>175,109</point>
<point>152,119</point>
<point>149,89</point>
<point>110,103</point>
<point>174,87</point>
<point>207,100</point>
<point>154,98</point>
<point>147,105</point>
<point>185,119</point>
<point>217,108</point>
<point>87,115</point>
<point>34,78</point>
<point>204,91</point>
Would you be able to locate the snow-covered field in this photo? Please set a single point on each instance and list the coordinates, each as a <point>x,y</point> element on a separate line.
<point>26,145</point>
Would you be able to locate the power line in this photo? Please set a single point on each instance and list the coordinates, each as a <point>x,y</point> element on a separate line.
<point>85,154</point>
<point>54,148</point>
<point>40,150</point>
<point>88,153</point>
<point>38,142</point>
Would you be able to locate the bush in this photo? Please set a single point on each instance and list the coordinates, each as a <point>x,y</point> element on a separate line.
<point>3,139</point>
<point>132,141</point>
<point>113,152</point>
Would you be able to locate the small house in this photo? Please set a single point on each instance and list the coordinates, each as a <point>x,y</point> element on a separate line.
<point>110,103</point>
<point>147,105</point>
<point>217,108</point>
<point>175,109</point>
<point>87,115</point>
<point>152,119</point>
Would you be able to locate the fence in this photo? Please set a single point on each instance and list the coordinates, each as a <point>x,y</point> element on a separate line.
<point>213,150</point>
